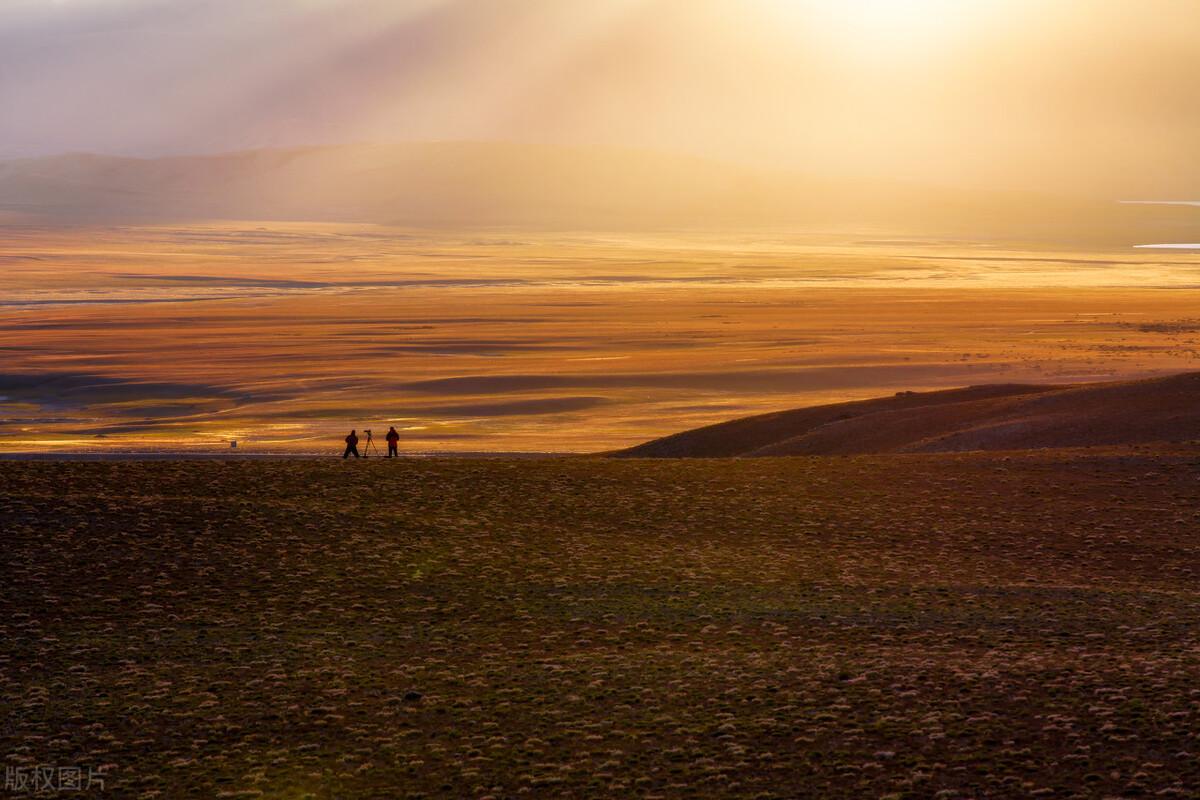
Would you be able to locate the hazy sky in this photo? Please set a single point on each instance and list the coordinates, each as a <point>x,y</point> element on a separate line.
<point>1005,92</point>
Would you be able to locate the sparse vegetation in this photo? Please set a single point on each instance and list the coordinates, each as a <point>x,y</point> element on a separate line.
<point>908,626</point>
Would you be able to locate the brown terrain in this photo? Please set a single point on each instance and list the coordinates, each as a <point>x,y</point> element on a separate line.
<point>903,626</point>
<point>998,417</point>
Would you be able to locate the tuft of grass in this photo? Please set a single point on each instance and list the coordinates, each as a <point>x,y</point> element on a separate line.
<point>895,626</point>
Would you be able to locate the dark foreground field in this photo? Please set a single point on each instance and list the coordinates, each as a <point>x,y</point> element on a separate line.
<point>906,626</point>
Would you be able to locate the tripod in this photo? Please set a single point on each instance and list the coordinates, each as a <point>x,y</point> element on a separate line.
<point>370,445</point>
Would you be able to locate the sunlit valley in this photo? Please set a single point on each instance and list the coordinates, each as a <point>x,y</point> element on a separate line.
<point>356,219</point>
<point>281,335</point>
<point>632,399</point>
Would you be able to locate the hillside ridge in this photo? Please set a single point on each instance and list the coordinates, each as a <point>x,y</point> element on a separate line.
<point>460,184</point>
<point>986,417</point>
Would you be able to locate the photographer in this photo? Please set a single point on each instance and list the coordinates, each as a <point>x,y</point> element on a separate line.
<point>351,445</point>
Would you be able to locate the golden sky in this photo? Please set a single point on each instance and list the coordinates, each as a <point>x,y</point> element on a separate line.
<point>1046,94</point>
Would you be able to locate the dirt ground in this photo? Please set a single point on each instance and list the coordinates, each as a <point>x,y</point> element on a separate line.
<point>956,626</point>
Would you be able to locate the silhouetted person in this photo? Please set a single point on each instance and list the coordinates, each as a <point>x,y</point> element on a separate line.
<point>393,440</point>
<point>351,445</point>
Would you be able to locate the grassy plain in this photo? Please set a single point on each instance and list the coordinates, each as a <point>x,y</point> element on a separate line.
<point>283,337</point>
<point>978,625</point>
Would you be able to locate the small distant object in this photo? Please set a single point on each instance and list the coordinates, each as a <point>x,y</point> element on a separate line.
<point>905,394</point>
<point>370,445</point>
<point>233,444</point>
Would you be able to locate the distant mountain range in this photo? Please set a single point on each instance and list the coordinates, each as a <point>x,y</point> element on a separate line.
<point>480,184</point>
<point>1001,417</point>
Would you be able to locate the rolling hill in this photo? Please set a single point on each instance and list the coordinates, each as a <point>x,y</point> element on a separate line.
<point>542,187</point>
<point>999,417</point>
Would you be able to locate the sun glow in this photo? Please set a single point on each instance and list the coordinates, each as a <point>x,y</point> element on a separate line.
<point>883,26</point>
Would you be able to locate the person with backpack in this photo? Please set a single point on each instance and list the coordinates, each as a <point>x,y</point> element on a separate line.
<point>351,445</point>
<point>393,442</point>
